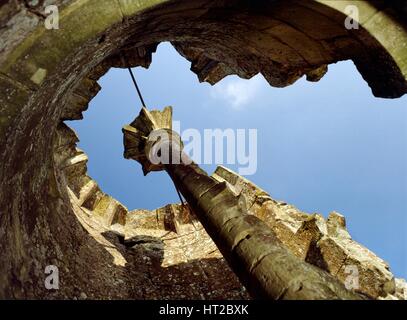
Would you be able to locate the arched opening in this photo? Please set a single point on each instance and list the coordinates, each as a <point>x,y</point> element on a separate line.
<point>49,76</point>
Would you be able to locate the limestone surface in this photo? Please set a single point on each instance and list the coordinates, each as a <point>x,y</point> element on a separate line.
<point>53,213</point>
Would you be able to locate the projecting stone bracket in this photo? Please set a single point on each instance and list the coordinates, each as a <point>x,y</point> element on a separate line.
<point>150,140</point>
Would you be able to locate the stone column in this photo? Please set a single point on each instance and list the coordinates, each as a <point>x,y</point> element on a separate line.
<point>263,264</point>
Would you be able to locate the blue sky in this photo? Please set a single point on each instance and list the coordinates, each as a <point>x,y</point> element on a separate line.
<point>321,146</point>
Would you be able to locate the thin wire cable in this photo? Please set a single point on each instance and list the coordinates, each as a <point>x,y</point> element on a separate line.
<point>179,195</point>
<point>137,88</point>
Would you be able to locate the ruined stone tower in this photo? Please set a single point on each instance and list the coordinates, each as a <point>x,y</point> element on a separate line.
<point>53,213</point>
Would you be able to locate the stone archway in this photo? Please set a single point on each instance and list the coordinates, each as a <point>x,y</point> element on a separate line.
<point>51,75</point>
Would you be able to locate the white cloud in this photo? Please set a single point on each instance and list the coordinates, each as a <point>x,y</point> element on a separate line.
<point>237,92</point>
